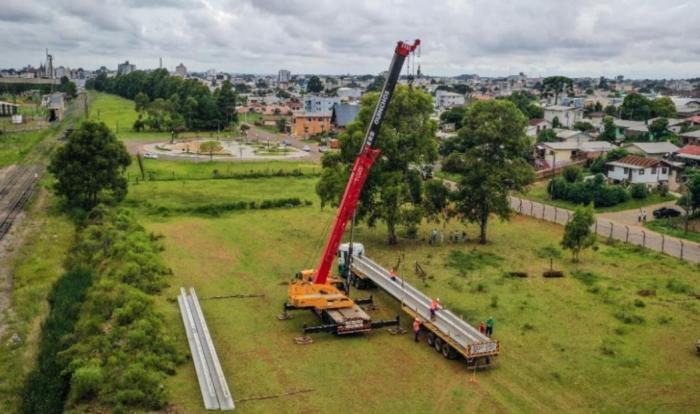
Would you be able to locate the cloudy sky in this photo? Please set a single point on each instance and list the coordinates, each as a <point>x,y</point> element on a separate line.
<point>639,39</point>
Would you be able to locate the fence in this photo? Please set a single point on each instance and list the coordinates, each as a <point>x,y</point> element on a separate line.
<point>683,249</point>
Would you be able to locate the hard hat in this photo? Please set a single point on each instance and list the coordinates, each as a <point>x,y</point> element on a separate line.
<point>438,299</point>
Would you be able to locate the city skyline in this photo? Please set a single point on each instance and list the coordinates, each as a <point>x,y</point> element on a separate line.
<point>582,39</point>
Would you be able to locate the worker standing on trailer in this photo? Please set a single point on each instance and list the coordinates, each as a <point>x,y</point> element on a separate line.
<point>482,327</point>
<point>434,306</point>
<point>392,274</point>
<point>489,326</point>
<point>416,329</point>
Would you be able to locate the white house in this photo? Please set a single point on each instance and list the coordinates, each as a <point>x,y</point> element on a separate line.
<point>536,126</point>
<point>559,154</point>
<point>567,116</point>
<point>320,103</point>
<point>639,170</point>
<point>572,135</point>
<point>349,93</point>
<point>445,99</point>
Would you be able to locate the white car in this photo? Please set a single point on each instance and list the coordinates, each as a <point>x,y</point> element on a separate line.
<point>150,155</point>
<point>306,148</point>
<point>322,149</point>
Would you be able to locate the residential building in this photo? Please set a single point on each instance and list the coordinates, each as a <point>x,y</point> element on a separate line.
<point>349,93</point>
<point>320,103</point>
<point>343,114</point>
<point>536,126</point>
<point>181,70</point>
<point>572,135</point>
<point>657,150</point>
<point>689,155</point>
<point>55,104</point>
<point>630,129</point>
<point>446,99</point>
<point>651,172</point>
<point>686,107</point>
<point>283,78</point>
<point>559,154</point>
<point>566,115</point>
<point>125,68</point>
<point>692,137</point>
<point>8,109</point>
<point>305,124</point>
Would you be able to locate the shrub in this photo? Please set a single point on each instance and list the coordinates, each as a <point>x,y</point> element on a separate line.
<point>639,191</point>
<point>662,189</point>
<point>639,303</point>
<point>573,173</point>
<point>85,383</point>
<point>453,163</point>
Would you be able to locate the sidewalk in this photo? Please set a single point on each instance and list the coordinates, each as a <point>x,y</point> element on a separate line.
<point>621,226</point>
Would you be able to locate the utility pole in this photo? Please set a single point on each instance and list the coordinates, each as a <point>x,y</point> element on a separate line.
<point>85,105</point>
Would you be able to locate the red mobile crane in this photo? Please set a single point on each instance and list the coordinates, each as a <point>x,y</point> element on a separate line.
<point>313,289</point>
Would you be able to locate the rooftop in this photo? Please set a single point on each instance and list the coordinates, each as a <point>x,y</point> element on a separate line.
<point>690,151</point>
<point>655,147</point>
<point>635,161</point>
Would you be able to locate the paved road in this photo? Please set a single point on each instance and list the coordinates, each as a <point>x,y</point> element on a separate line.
<point>605,226</point>
<point>631,217</point>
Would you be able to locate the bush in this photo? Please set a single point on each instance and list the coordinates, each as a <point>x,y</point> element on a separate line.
<point>662,189</point>
<point>453,163</point>
<point>639,191</point>
<point>573,173</point>
<point>85,384</point>
<point>595,191</point>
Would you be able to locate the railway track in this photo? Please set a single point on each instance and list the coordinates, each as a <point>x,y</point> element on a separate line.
<point>15,193</point>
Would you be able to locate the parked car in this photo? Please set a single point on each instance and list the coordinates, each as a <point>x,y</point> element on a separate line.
<point>426,172</point>
<point>665,212</point>
<point>322,149</point>
<point>306,148</point>
<point>150,155</point>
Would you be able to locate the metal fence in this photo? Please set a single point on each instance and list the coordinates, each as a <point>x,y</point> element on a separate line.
<point>683,249</point>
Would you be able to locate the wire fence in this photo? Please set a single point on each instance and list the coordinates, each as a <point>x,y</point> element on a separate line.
<point>683,249</point>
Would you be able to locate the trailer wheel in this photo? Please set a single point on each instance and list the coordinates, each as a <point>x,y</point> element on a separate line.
<point>448,352</point>
<point>438,344</point>
<point>431,339</point>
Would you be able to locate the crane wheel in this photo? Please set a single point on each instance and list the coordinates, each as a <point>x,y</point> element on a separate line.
<point>438,344</point>
<point>431,339</point>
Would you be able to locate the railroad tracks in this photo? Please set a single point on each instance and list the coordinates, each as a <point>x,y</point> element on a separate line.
<point>15,192</point>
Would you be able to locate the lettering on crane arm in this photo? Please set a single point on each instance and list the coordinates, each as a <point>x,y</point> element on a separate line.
<point>381,107</point>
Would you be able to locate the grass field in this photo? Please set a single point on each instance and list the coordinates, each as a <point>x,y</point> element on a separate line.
<point>14,146</point>
<point>674,227</point>
<point>538,192</point>
<point>586,342</point>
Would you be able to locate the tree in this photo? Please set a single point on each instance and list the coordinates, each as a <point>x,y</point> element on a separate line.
<point>609,130</point>
<point>690,202</point>
<point>663,107</point>
<point>598,107</point>
<point>577,233</point>
<point>584,126</point>
<point>314,85</point>
<point>67,87</point>
<point>547,135</point>
<point>376,85</point>
<point>525,101</point>
<point>494,140</point>
<point>436,201</point>
<point>636,107</point>
<point>393,191</point>
<point>555,85</point>
<point>555,122</point>
<point>141,102</point>
<point>573,173</point>
<point>90,166</point>
<point>610,110</point>
<point>454,116</point>
<point>225,98</point>
<point>658,127</point>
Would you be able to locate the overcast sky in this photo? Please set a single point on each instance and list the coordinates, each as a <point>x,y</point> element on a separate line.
<point>639,39</point>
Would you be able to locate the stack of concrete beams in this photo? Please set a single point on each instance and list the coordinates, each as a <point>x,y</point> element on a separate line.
<point>447,322</point>
<point>215,391</point>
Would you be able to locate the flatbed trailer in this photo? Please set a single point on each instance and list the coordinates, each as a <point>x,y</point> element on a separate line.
<point>447,333</point>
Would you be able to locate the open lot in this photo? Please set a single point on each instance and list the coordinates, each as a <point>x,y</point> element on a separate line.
<point>586,342</point>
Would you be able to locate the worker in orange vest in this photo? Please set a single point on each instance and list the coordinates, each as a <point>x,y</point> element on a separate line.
<point>392,274</point>
<point>416,329</point>
<point>434,306</point>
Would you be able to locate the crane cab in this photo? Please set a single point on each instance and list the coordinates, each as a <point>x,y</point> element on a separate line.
<point>358,250</point>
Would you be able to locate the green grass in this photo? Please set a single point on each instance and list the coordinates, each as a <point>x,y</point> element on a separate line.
<point>538,192</point>
<point>448,176</point>
<point>14,146</point>
<point>37,265</point>
<point>673,227</point>
<point>581,343</point>
<point>167,170</point>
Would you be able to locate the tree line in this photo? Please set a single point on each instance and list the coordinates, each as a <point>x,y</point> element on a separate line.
<point>171,103</point>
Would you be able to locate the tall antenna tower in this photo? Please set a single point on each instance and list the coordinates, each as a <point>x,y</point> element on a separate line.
<point>49,65</point>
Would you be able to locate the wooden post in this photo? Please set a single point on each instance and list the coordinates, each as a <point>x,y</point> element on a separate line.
<point>555,214</point>
<point>596,226</point>
<point>627,235</point>
<point>532,207</point>
<point>682,246</point>
<point>663,241</point>
<point>644,239</point>
<point>611,230</point>
<point>544,207</point>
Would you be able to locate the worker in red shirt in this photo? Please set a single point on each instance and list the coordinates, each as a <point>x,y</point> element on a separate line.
<point>392,274</point>
<point>416,329</point>
<point>434,306</point>
<point>482,328</point>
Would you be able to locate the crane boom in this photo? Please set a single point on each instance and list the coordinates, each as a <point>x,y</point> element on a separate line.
<point>363,163</point>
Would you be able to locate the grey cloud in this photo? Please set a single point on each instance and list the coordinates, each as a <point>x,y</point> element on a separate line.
<point>586,37</point>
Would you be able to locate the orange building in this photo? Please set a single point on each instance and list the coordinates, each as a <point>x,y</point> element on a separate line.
<point>305,124</point>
